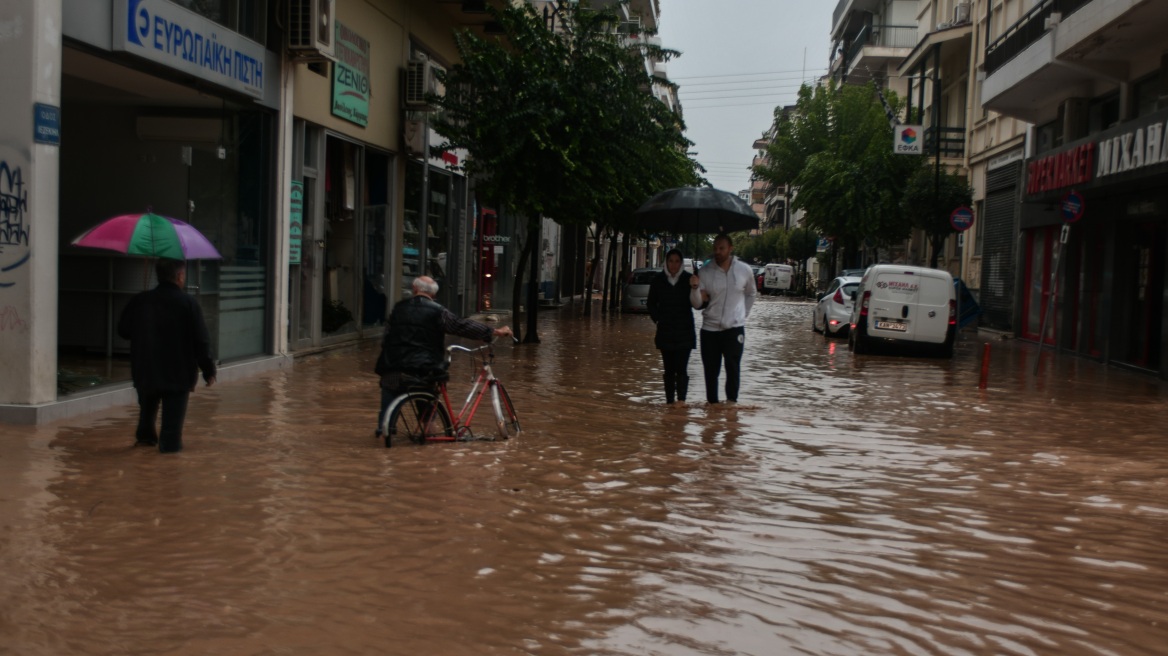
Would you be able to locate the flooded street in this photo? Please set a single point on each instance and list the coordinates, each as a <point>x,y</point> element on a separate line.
<point>848,505</point>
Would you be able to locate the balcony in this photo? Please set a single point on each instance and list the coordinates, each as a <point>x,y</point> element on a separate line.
<point>1067,48</point>
<point>873,49</point>
<point>951,141</point>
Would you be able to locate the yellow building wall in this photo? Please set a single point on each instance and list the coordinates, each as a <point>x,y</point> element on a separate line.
<point>388,25</point>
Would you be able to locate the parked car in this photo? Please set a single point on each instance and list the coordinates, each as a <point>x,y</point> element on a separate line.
<point>833,312</point>
<point>689,265</point>
<point>759,273</point>
<point>777,278</point>
<point>635,297</point>
<point>897,304</point>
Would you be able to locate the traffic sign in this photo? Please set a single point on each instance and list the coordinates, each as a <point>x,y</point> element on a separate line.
<point>961,219</point>
<point>1073,206</point>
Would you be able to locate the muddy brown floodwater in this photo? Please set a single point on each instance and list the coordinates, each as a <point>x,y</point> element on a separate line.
<point>848,505</point>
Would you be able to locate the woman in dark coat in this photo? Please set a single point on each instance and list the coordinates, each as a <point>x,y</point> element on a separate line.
<point>670,309</point>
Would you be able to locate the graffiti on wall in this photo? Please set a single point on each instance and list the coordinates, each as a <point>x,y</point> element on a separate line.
<point>14,228</point>
<point>10,320</point>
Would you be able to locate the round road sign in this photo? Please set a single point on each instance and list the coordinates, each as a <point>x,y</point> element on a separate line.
<point>1073,207</point>
<point>961,219</point>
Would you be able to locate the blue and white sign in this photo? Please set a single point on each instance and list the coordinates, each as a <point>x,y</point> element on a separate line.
<point>170,35</point>
<point>46,124</point>
<point>822,244</point>
<point>961,219</point>
<point>1072,207</point>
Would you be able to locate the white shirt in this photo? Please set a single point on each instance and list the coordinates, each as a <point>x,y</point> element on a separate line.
<point>731,295</point>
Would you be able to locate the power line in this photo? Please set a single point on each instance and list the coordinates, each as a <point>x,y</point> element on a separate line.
<point>702,77</point>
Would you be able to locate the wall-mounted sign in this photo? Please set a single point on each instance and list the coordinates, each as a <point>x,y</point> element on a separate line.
<point>170,35</point>
<point>351,76</point>
<point>908,139</point>
<point>296,221</point>
<point>46,121</point>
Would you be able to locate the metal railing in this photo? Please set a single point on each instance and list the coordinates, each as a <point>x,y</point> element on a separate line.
<point>882,36</point>
<point>1026,31</point>
<point>951,141</point>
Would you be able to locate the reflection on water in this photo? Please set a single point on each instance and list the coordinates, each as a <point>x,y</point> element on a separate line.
<point>847,505</point>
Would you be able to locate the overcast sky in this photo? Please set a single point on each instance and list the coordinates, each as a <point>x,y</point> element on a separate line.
<point>739,60</point>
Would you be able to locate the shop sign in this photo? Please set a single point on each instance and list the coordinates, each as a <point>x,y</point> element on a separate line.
<point>906,139</point>
<point>168,34</point>
<point>296,221</point>
<point>351,76</point>
<point>1066,169</point>
<point>1145,146</point>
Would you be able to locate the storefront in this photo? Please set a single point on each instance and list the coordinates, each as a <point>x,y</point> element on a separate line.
<point>183,126</point>
<point>1111,191</point>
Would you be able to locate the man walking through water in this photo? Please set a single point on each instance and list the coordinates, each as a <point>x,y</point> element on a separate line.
<point>414,341</point>
<point>169,345</point>
<point>724,292</point>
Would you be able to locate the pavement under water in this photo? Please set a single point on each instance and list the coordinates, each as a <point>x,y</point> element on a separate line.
<point>847,505</point>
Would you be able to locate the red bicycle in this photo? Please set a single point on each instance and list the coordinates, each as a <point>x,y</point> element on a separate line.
<point>424,412</point>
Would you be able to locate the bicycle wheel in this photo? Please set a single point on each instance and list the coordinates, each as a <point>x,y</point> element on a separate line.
<point>417,416</point>
<point>505,414</point>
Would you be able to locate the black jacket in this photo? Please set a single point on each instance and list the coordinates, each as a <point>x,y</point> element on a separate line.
<point>415,338</point>
<point>169,343</point>
<point>670,308</point>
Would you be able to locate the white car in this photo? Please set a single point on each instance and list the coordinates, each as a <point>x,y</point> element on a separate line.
<point>909,305</point>
<point>833,312</point>
<point>636,293</point>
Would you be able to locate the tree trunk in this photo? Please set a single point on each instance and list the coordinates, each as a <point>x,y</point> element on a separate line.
<point>536,240</point>
<point>517,288</point>
<point>938,242</point>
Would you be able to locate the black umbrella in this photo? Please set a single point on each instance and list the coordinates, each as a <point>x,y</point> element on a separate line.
<point>695,210</point>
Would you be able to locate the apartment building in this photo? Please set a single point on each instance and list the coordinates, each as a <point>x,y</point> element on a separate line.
<point>869,40</point>
<point>1091,78</point>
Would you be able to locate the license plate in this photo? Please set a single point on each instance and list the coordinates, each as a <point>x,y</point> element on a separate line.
<point>891,325</point>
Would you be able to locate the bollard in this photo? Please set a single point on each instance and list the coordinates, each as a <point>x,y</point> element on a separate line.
<point>985,366</point>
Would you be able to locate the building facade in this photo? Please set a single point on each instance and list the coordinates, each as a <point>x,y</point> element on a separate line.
<point>1090,77</point>
<point>280,130</point>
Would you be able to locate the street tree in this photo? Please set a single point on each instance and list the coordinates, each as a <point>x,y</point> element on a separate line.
<point>836,149</point>
<point>559,123</point>
<point>929,200</point>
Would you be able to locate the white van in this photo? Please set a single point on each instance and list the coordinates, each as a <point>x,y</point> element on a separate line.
<point>776,278</point>
<point>904,304</point>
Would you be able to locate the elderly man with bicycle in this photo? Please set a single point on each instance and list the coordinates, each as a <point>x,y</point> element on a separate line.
<point>413,348</point>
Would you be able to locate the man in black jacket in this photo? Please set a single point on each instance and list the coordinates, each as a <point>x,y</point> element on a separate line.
<point>169,345</point>
<point>414,342</point>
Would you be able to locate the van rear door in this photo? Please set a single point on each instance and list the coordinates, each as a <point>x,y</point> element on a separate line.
<point>931,316</point>
<point>892,306</point>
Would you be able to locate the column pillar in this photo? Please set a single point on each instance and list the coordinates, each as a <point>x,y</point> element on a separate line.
<point>30,49</point>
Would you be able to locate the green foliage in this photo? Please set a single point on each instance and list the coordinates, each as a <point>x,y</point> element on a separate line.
<point>769,246</point>
<point>836,149</point>
<point>560,123</point>
<point>928,201</point>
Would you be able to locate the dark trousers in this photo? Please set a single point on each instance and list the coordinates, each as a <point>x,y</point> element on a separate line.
<point>718,346</point>
<point>174,413</point>
<point>676,379</point>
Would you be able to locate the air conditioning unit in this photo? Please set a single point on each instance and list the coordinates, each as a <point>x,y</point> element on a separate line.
<point>420,83</point>
<point>961,13</point>
<point>311,31</point>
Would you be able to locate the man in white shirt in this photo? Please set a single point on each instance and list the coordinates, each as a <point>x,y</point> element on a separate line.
<point>724,292</point>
